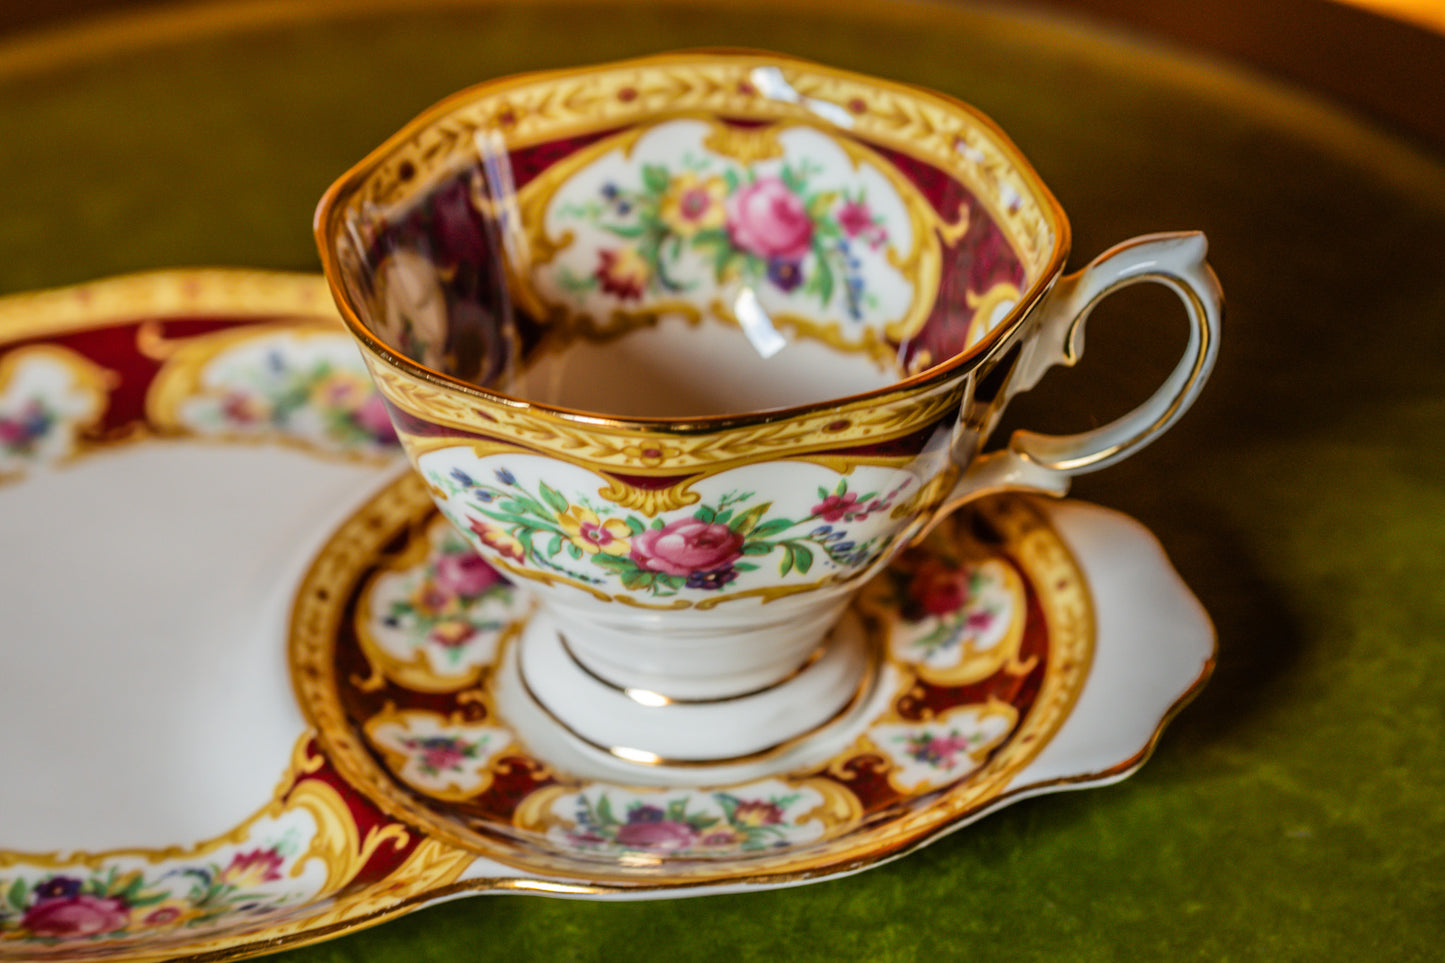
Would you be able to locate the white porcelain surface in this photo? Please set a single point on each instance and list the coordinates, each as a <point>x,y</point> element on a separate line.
<point>148,591</point>
<point>142,654</point>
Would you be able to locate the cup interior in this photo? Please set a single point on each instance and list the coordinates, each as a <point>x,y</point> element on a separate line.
<point>691,236</point>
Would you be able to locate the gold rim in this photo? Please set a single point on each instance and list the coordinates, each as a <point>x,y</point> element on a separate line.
<point>333,205</point>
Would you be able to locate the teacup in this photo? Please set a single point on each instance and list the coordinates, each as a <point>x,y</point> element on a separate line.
<point>692,346</point>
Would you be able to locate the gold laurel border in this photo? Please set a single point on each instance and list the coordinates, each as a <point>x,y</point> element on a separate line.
<point>604,446</point>
<point>536,108</point>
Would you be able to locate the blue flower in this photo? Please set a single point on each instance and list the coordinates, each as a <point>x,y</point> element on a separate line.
<point>506,477</point>
<point>609,191</point>
<point>462,478</point>
<point>844,547</point>
<point>820,531</point>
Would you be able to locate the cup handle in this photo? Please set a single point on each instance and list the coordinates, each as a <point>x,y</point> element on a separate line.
<point>1047,463</point>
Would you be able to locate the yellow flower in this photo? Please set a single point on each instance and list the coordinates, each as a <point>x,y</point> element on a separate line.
<point>691,205</point>
<point>591,534</point>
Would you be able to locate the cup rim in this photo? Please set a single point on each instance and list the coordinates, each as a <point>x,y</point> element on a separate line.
<point>329,209</point>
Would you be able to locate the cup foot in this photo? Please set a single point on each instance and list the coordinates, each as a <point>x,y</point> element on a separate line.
<point>592,726</point>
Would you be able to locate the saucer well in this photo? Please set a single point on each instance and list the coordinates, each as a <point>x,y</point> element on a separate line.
<point>404,659</point>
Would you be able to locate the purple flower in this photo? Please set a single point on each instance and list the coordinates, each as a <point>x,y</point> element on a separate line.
<point>708,581</point>
<point>57,887</point>
<point>785,275</point>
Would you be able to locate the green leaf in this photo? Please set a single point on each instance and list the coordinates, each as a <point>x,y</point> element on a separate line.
<point>617,563</point>
<point>553,498</point>
<point>745,522</point>
<point>636,525</point>
<point>677,809</point>
<point>786,565</point>
<point>705,515</point>
<point>724,516</point>
<point>823,492</point>
<point>658,523</point>
<point>655,178</point>
<point>636,578</point>
<point>772,527</point>
<point>792,180</point>
<point>555,545</point>
<point>18,892</point>
<point>824,278</point>
<point>715,237</point>
<point>745,566</point>
<point>842,488</point>
<point>730,178</point>
<point>573,550</point>
<point>628,231</point>
<point>802,558</point>
<point>604,812</point>
<point>757,548</point>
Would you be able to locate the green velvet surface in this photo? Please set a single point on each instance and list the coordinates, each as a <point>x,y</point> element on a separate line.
<point>1295,810</point>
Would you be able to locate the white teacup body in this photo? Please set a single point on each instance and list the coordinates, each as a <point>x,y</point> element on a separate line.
<point>693,346</point>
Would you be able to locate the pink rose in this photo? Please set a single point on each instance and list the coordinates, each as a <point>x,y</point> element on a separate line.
<point>767,219</point>
<point>80,915</point>
<point>464,574</point>
<point>663,835</point>
<point>854,218</point>
<point>375,420</point>
<point>686,546</point>
<point>938,589</point>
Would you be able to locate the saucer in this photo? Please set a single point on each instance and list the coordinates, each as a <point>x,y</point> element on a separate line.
<point>404,653</point>
<point>173,448</point>
<point>181,450</point>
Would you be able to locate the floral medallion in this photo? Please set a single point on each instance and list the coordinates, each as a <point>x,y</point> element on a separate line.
<point>435,617</point>
<point>48,396</point>
<point>304,383</point>
<point>680,216</point>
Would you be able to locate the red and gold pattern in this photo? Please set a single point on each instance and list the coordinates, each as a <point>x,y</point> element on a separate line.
<point>964,734</point>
